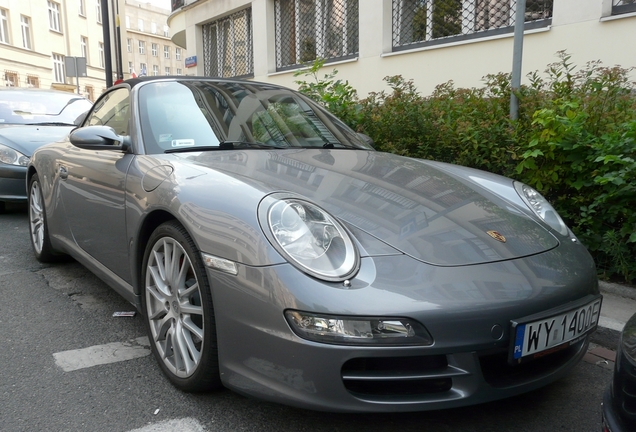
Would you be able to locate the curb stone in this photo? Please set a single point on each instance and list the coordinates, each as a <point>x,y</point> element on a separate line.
<point>619,290</point>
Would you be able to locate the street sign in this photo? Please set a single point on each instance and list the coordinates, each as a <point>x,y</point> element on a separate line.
<point>191,61</point>
<point>75,66</point>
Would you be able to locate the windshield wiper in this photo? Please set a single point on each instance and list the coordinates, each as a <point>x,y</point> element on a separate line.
<point>230,145</point>
<point>226,145</point>
<point>50,124</point>
<point>193,148</point>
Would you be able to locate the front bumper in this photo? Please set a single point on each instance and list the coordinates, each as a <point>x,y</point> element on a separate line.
<point>12,183</point>
<point>467,364</point>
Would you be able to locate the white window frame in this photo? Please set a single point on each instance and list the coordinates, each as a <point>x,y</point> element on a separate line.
<point>130,67</point>
<point>25,30</point>
<point>129,44</point>
<point>167,70</point>
<point>54,16</point>
<point>98,8</point>
<point>102,59</point>
<point>178,71</point>
<point>127,22</point>
<point>166,31</point>
<point>143,69</point>
<point>84,47</point>
<point>153,49</point>
<point>140,24</point>
<point>142,47</point>
<point>155,70</point>
<point>58,68</point>
<point>166,51</point>
<point>4,26</point>
<point>81,10</point>
<point>177,53</point>
<point>153,27</point>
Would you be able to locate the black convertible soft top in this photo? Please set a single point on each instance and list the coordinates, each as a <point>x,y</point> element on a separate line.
<point>134,81</point>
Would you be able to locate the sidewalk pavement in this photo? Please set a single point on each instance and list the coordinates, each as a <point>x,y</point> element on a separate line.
<point>619,304</point>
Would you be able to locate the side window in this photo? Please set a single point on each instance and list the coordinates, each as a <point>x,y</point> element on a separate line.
<point>112,110</point>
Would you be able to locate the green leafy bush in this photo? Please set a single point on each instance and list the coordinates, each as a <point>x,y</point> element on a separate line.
<point>339,97</point>
<point>574,140</point>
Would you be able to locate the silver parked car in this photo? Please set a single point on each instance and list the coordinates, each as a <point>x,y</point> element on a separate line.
<point>30,118</point>
<point>272,251</point>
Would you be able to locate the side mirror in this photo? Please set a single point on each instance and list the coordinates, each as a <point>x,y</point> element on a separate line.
<point>366,138</point>
<point>99,138</point>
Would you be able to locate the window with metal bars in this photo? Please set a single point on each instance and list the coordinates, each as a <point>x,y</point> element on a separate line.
<point>310,29</point>
<point>33,81</point>
<point>228,46</point>
<point>623,6</point>
<point>431,22</point>
<point>11,79</point>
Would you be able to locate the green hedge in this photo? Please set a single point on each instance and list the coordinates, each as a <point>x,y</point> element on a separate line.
<point>574,140</point>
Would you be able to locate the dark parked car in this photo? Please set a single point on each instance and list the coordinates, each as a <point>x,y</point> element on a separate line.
<point>30,118</point>
<point>271,250</point>
<point>619,402</point>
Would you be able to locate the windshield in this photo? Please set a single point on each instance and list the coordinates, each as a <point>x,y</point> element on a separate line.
<point>40,107</point>
<point>182,115</point>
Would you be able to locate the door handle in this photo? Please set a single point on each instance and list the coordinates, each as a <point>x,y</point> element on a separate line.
<point>63,173</point>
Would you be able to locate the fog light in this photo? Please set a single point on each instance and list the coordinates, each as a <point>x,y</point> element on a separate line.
<point>358,330</point>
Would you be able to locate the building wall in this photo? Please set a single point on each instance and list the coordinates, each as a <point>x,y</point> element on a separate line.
<point>154,28</point>
<point>36,64</point>
<point>582,27</point>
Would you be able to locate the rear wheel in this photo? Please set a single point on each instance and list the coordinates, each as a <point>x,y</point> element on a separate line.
<point>178,310</point>
<point>37,223</point>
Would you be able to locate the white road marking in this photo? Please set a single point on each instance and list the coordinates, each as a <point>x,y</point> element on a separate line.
<point>180,425</point>
<point>102,354</point>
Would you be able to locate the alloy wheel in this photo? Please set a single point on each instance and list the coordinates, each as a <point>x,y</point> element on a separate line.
<point>36,217</point>
<point>173,307</point>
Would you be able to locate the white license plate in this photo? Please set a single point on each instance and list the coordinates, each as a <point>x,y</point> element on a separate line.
<point>540,335</point>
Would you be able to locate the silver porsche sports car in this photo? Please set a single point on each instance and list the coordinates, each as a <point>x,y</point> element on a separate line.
<point>272,251</point>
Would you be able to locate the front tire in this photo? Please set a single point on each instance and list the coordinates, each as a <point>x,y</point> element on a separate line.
<point>38,226</point>
<point>178,310</point>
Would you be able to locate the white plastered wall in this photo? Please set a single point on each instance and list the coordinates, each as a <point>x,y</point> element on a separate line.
<point>579,26</point>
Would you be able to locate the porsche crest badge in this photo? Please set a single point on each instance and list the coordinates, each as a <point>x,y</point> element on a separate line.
<point>497,236</point>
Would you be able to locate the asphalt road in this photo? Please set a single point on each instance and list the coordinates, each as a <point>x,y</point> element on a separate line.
<point>50,309</point>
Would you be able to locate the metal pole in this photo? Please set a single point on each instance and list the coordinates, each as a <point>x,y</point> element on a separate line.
<point>108,65</point>
<point>76,75</point>
<point>118,62</point>
<point>517,55</point>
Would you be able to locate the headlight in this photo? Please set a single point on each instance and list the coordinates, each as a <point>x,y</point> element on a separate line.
<point>309,238</point>
<point>628,340</point>
<point>12,157</point>
<point>358,330</point>
<point>541,207</point>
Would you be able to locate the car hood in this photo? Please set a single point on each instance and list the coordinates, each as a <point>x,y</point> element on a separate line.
<point>437,213</point>
<point>27,138</point>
